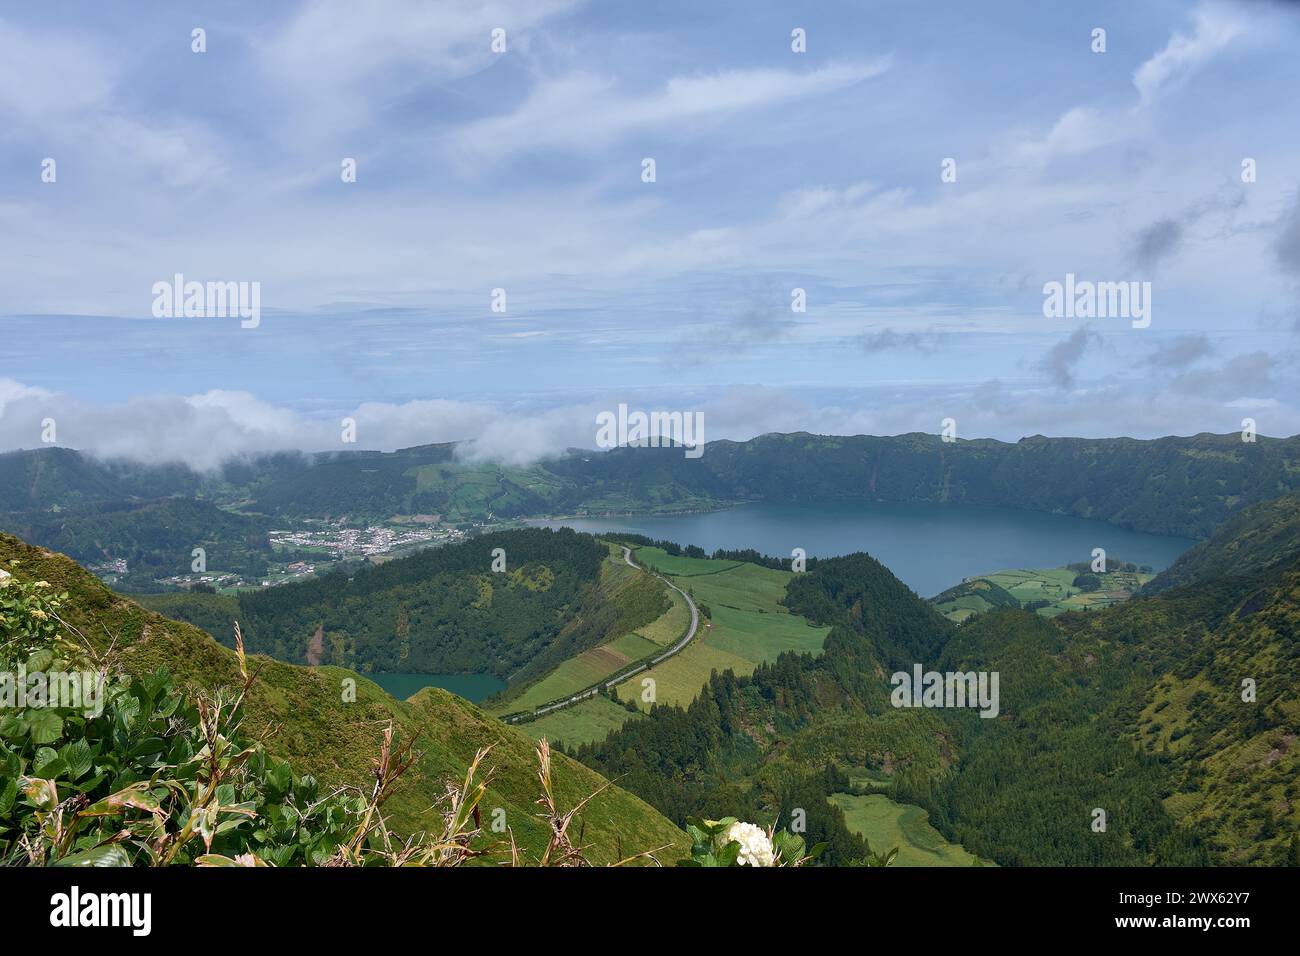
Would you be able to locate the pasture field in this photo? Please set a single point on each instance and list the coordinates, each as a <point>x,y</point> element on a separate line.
<point>748,625</point>
<point>669,627</point>
<point>586,668</point>
<point>582,723</point>
<point>1052,585</point>
<point>679,565</point>
<point>886,824</point>
<point>678,680</point>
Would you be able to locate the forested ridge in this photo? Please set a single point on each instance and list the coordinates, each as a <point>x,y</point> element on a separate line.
<point>155,538</point>
<point>1260,537</point>
<point>1176,485</point>
<point>441,610</point>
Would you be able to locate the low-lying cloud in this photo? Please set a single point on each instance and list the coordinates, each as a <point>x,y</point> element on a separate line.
<point>205,430</point>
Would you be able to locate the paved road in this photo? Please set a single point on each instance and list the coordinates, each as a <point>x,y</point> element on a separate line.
<point>561,703</point>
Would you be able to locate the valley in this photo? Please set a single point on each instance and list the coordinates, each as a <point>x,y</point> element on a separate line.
<point>701,679</point>
<point>867,491</point>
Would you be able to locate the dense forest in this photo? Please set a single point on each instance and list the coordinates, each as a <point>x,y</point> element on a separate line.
<point>442,610</point>
<point>155,538</point>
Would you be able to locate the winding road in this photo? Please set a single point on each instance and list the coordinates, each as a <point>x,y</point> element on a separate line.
<point>561,703</point>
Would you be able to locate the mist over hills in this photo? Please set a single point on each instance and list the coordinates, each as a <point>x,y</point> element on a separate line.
<point>1176,485</point>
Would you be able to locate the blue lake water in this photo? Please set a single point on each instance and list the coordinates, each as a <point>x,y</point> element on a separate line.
<point>473,687</point>
<point>930,547</point>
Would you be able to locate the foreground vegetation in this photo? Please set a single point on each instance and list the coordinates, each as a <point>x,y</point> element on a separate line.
<point>329,724</point>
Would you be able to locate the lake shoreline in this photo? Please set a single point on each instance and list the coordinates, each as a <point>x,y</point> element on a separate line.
<point>930,546</point>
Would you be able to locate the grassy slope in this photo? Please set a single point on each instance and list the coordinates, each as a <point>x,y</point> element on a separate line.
<point>586,722</point>
<point>748,625</point>
<point>887,824</point>
<point>1238,762</point>
<point>302,714</point>
<point>623,586</point>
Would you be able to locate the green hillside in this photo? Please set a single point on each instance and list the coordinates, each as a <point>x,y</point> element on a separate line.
<point>1262,536</point>
<point>302,716</point>
<point>1046,591</point>
<point>882,822</point>
<point>155,538</point>
<point>743,624</point>
<point>747,625</point>
<point>1183,486</point>
<point>443,610</point>
<point>1175,486</point>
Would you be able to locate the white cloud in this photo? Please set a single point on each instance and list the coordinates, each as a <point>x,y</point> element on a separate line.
<point>1214,28</point>
<point>1078,130</point>
<point>205,430</point>
<point>46,77</point>
<point>339,61</point>
<point>583,110</point>
<point>67,92</point>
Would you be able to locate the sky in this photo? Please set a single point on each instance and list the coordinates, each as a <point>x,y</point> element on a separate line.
<point>522,169</point>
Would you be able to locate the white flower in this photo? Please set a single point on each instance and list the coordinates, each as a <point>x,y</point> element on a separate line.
<point>755,846</point>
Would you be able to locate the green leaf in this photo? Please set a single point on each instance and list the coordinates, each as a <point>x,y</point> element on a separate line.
<point>216,859</point>
<point>148,747</point>
<point>207,824</point>
<point>89,784</point>
<point>40,660</point>
<point>789,845</point>
<point>51,768</point>
<point>279,780</point>
<point>729,854</point>
<point>112,855</point>
<point>77,759</point>
<point>8,794</point>
<point>45,726</point>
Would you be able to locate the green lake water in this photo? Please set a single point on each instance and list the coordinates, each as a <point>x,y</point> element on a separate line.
<point>473,687</point>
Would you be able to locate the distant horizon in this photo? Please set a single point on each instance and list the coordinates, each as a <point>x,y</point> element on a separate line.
<point>580,450</point>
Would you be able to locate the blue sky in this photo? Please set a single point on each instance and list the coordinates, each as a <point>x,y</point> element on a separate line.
<point>522,170</point>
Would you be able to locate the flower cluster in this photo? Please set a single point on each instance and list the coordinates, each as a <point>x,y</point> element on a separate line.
<point>732,842</point>
<point>755,845</point>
